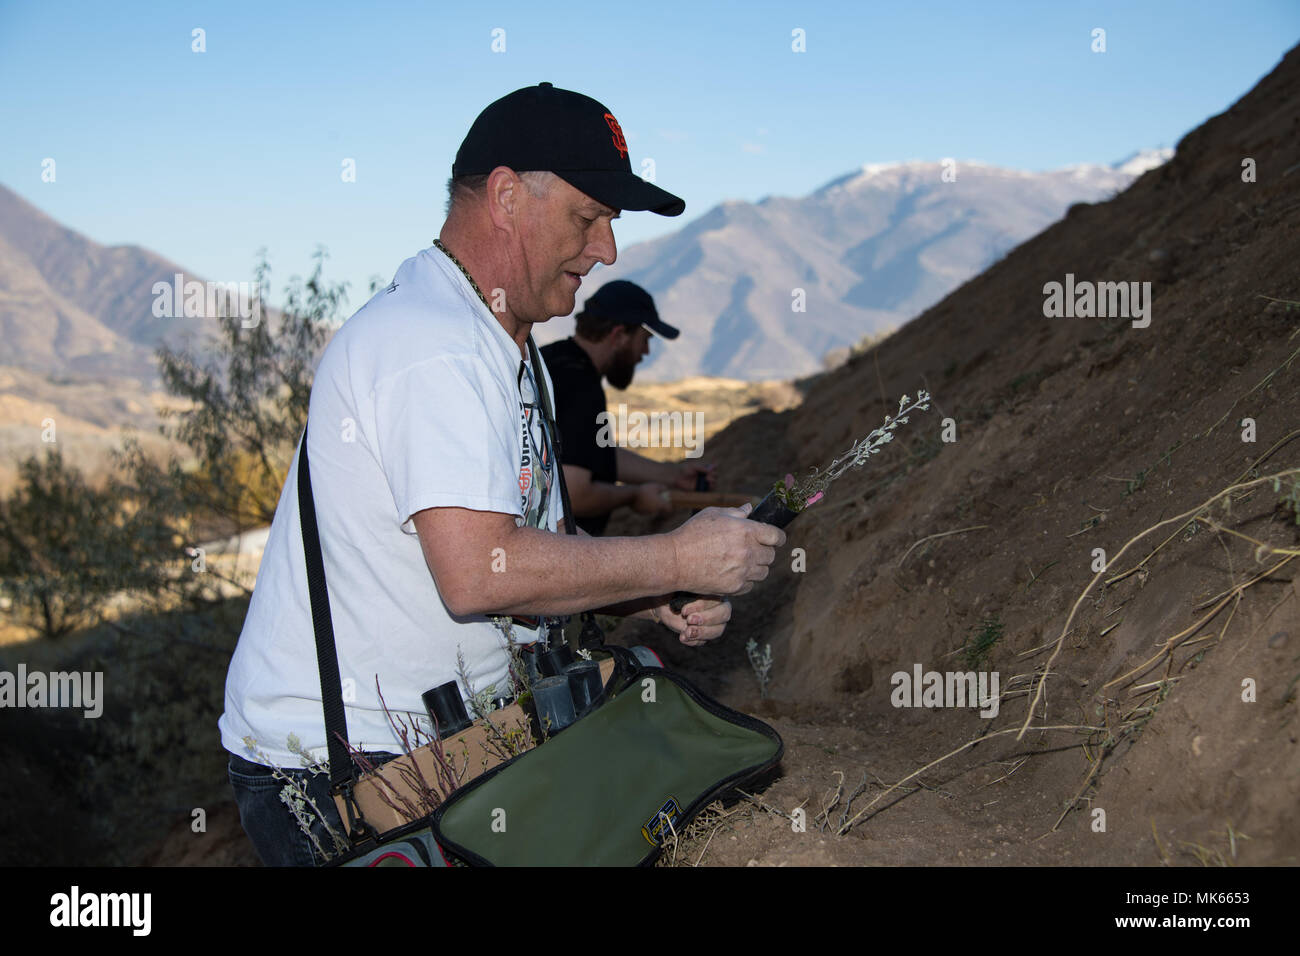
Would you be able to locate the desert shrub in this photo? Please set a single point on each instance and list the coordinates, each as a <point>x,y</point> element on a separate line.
<point>245,405</point>
<point>67,548</point>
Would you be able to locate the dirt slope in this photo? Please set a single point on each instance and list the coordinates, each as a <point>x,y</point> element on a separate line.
<point>1072,434</point>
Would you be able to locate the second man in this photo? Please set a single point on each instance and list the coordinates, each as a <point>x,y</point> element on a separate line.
<point>611,336</point>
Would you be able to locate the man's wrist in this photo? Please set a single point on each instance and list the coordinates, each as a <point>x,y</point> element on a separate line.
<point>668,561</point>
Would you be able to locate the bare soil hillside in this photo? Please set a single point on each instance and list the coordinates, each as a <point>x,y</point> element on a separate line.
<point>1072,434</point>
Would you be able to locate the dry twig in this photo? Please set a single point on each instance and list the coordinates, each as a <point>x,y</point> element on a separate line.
<point>942,534</point>
<point>1179,521</point>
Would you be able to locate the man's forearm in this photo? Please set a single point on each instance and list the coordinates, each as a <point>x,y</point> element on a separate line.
<point>637,469</point>
<point>599,497</point>
<point>483,562</point>
<point>639,608</point>
<point>547,573</point>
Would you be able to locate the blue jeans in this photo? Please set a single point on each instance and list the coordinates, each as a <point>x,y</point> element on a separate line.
<point>270,824</point>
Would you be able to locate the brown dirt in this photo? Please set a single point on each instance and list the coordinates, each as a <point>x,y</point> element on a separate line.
<point>1058,421</point>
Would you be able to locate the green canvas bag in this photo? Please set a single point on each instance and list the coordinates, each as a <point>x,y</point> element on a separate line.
<point>610,788</point>
<point>613,786</point>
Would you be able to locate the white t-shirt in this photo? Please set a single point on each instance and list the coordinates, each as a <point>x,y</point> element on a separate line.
<point>416,404</point>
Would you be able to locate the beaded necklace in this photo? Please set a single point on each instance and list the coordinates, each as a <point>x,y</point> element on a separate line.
<point>463,271</point>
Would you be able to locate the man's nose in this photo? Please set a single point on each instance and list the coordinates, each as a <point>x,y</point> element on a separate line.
<point>603,248</point>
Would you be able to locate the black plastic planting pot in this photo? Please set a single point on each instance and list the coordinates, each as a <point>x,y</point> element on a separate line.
<point>771,510</point>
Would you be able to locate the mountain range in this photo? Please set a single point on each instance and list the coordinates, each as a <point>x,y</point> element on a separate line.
<point>760,290</point>
<point>869,250</point>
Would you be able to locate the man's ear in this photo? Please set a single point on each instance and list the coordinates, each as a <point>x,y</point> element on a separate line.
<point>504,192</point>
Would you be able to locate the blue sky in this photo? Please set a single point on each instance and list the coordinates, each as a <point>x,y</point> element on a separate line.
<point>207,157</point>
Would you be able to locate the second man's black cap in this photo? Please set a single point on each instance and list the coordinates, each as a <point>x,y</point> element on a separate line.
<point>566,133</point>
<point>628,303</point>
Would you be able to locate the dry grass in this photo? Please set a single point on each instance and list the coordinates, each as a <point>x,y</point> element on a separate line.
<point>1144,698</point>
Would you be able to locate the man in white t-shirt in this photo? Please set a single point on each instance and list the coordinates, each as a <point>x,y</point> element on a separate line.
<point>435,490</point>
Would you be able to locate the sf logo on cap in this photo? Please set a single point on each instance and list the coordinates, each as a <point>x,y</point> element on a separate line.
<point>620,143</point>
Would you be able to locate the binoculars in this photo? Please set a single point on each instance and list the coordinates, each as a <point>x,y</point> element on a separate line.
<point>564,689</point>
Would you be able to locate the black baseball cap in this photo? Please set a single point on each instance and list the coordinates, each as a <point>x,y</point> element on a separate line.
<point>566,133</point>
<point>627,303</point>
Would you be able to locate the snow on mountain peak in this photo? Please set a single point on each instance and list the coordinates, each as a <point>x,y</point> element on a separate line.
<point>1143,160</point>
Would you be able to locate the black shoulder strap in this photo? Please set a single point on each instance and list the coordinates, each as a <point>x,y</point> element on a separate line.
<point>591,634</point>
<point>548,410</point>
<point>327,658</point>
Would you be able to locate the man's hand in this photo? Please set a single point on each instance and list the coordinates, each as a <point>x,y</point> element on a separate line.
<point>720,551</point>
<point>686,472</point>
<point>701,621</point>
<point>650,499</point>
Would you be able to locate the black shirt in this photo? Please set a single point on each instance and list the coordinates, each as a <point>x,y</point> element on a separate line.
<point>579,398</point>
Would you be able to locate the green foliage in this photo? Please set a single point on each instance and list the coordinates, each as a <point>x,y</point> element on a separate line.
<point>1290,496</point>
<point>1034,578</point>
<point>248,403</point>
<point>985,635</point>
<point>1136,483</point>
<point>1023,379</point>
<point>66,548</point>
